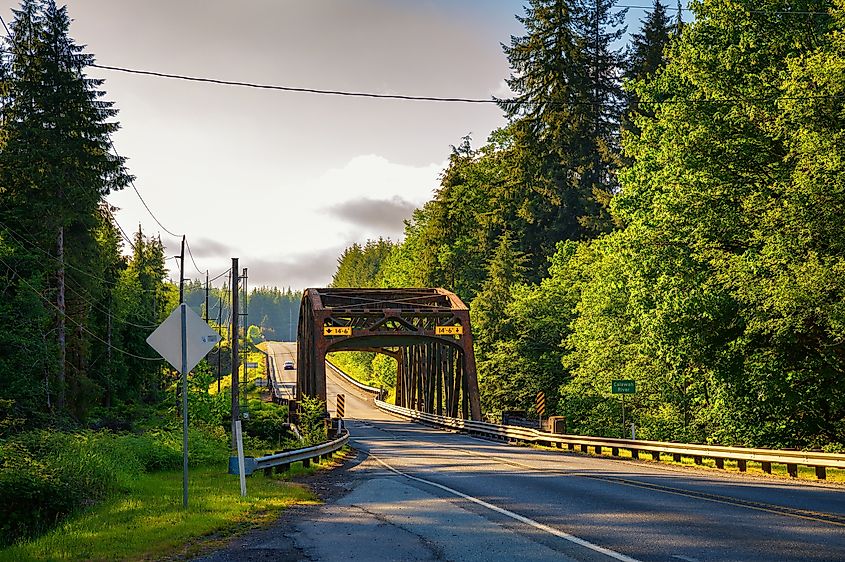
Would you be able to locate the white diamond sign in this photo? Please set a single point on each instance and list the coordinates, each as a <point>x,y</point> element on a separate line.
<point>167,338</point>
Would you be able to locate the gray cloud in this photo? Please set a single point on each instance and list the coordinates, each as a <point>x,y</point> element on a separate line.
<point>376,214</point>
<point>298,272</point>
<point>203,247</point>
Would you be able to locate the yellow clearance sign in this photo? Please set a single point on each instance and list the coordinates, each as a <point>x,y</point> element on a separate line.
<point>448,330</point>
<point>337,330</point>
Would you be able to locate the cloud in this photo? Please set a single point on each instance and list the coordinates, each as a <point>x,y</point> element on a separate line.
<point>298,271</point>
<point>381,214</point>
<point>203,247</point>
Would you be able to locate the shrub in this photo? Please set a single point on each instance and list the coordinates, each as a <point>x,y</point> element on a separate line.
<point>267,422</point>
<point>45,476</point>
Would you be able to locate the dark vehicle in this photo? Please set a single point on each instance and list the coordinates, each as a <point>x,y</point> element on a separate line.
<point>289,366</point>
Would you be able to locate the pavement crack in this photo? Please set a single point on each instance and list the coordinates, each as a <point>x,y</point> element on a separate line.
<point>433,547</point>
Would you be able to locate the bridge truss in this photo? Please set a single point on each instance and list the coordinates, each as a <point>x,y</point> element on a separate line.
<point>427,331</point>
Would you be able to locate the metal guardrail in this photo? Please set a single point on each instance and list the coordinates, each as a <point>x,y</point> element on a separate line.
<point>282,461</point>
<point>820,461</point>
<point>350,380</point>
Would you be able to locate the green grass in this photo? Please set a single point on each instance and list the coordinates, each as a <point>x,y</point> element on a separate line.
<point>147,521</point>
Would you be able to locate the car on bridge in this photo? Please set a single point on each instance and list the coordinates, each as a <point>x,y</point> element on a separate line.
<point>288,366</point>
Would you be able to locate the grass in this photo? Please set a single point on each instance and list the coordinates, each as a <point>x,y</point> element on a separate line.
<point>147,521</point>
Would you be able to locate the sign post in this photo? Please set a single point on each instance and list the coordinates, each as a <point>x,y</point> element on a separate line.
<point>184,344</point>
<point>183,339</point>
<point>623,387</point>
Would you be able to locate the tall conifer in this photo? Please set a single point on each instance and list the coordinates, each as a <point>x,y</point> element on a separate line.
<point>565,75</point>
<point>55,165</point>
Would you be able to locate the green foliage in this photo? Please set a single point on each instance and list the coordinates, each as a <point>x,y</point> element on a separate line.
<point>721,289</point>
<point>268,422</point>
<point>312,417</point>
<point>374,369</point>
<point>45,476</point>
<point>359,266</point>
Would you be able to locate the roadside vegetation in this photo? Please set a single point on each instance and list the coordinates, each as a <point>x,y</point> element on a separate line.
<point>90,417</point>
<point>667,211</point>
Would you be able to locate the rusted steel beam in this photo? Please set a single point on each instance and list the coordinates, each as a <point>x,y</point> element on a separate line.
<point>406,324</point>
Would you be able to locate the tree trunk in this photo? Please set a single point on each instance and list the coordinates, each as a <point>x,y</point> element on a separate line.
<point>60,305</point>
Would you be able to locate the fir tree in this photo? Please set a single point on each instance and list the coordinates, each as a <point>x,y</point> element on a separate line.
<point>55,166</point>
<point>648,48</point>
<point>565,114</point>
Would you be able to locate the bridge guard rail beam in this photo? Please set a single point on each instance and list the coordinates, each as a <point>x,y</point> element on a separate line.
<point>284,459</point>
<point>820,461</point>
<point>353,382</point>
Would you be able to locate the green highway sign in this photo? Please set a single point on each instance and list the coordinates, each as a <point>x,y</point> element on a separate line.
<point>623,387</point>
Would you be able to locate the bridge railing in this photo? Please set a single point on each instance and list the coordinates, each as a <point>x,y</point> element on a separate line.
<point>282,461</point>
<point>766,457</point>
<point>366,388</point>
<point>275,392</point>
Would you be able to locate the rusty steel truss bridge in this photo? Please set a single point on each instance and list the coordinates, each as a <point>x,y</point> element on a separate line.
<point>427,331</point>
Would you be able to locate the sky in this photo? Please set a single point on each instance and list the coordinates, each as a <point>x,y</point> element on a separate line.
<point>285,181</point>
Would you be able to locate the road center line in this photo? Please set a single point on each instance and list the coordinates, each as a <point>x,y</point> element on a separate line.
<point>521,518</point>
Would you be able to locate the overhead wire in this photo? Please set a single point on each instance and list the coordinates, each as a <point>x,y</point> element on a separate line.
<point>120,228</point>
<point>191,254</point>
<point>138,193</point>
<point>72,321</point>
<point>20,239</point>
<point>491,100</point>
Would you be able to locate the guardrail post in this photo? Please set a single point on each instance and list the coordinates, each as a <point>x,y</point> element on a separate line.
<point>676,457</point>
<point>698,460</point>
<point>720,462</point>
<point>742,465</point>
<point>614,451</point>
<point>282,467</point>
<point>584,449</point>
<point>598,449</point>
<point>821,473</point>
<point>571,446</point>
<point>792,469</point>
<point>655,456</point>
<point>306,463</point>
<point>635,453</point>
<point>766,466</point>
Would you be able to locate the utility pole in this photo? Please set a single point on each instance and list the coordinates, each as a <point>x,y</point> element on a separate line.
<point>246,329</point>
<point>206,296</point>
<point>233,336</point>
<point>184,369</point>
<point>182,272</point>
<point>220,343</point>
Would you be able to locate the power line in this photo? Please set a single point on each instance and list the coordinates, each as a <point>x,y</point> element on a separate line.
<point>122,232</point>
<point>492,100</point>
<point>773,12</point>
<point>72,321</point>
<point>219,276</point>
<point>87,299</point>
<point>191,254</point>
<point>138,193</point>
<point>293,88</point>
<point>19,238</point>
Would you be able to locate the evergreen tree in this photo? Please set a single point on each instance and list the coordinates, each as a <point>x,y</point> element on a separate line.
<point>565,116</point>
<point>648,55</point>
<point>55,167</point>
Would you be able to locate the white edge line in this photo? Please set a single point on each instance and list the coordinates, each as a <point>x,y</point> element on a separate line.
<point>537,525</point>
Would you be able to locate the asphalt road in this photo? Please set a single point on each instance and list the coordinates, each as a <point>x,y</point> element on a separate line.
<point>417,493</point>
<point>281,352</point>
